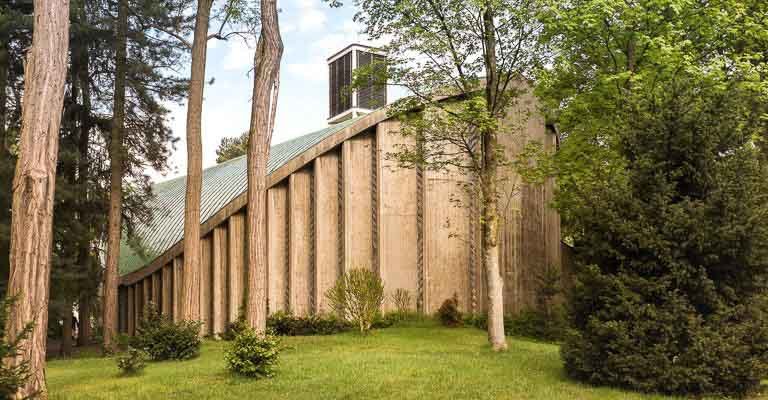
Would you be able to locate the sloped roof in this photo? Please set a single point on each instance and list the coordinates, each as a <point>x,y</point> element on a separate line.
<point>221,184</point>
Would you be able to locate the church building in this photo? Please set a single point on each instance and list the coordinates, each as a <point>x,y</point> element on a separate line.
<point>336,202</point>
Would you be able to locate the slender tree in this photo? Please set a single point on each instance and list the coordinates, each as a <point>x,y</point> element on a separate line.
<point>114,230</point>
<point>266,82</point>
<point>34,186</point>
<point>478,51</point>
<point>190,309</point>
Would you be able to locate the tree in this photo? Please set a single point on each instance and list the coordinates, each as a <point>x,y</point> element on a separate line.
<point>478,51</point>
<point>233,10</point>
<point>232,147</point>
<point>190,309</point>
<point>663,190</point>
<point>266,83</point>
<point>34,185</point>
<point>114,230</point>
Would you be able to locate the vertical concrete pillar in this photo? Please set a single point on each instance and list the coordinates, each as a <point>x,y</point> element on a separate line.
<point>446,224</point>
<point>131,311</point>
<point>138,299</point>
<point>206,288</point>
<point>122,309</point>
<point>236,254</point>
<point>327,221</point>
<point>277,247</point>
<point>219,280</point>
<point>147,292</point>
<point>398,223</point>
<point>178,282</point>
<point>357,163</point>
<point>167,295</point>
<point>301,230</point>
<point>157,289</point>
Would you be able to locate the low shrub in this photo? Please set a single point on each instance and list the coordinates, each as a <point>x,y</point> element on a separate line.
<point>132,361</point>
<point>402,300</point>
<point>389,319</point>
<point>537,325</point>
<point>448,313</point>
<point>357,297</point>
<point>532,324</point>
<point>287,324</point>
<point>234,328</point>
<point>11,377</point>
<point>479,321</point>
<point>253,354</point>
<point>163,339</point>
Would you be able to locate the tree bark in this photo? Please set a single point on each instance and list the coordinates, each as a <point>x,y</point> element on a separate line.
<point>84,256</point>
<point>269,51</point>
<point>490,207</point>
<point>66,336</point>
<point>191,295</point>
<point>33,188</point>
<point>4,64</point>
<point>84,313</point>
<point>116,184</point>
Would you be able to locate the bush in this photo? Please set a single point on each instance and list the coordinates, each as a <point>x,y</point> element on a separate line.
<point>647,337</point>
<point>11,378</point>
<point>234,328</point>
<point>253,354</point>
<point>164,339</point>
<point>287,324</point>
<point>402,299</point>
<point>532,323</point>
<point>132,361</point>
<point>448,313</point>
<point>538,325</point>
<point>357,297</point>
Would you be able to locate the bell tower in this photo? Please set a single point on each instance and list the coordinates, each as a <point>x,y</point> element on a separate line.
<point>344,101</point>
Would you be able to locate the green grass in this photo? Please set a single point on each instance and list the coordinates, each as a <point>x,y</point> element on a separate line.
<point>417,361</point>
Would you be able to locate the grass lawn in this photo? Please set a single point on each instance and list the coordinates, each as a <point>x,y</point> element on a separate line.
<point>417,361</point>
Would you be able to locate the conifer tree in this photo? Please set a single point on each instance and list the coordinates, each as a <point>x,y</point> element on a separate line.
<point>663,191</point>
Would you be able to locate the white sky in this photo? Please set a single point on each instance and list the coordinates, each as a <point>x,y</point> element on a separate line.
<point>311,32</point>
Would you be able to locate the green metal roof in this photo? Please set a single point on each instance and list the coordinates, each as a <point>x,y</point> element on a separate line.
<point>221,184</point>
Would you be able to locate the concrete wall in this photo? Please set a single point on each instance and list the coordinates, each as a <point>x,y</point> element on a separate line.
<point>351,206</point>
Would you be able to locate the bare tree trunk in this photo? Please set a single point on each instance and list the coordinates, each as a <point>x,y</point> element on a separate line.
<point>84,256</point>
<point>264,102</point>
<point>3,96</point>
<point>34,185</point>
<point>116,184</point>
<point>190,307</point>
<point>66,335</point>
<point>84,311</point>
<point>490,208</point>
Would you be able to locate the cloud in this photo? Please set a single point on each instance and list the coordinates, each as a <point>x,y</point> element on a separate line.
<point>311,17</point>
<point>313,72</point>
<point>239,56</point>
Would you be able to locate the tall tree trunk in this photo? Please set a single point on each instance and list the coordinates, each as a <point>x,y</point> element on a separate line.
<point>84,258</point>
<point>84,312</point>
<point>190,307</point>
<point>4,65</point>
<point>84,253</point>
<point>490,207</point>
<point>266,61</point>
<point>66,336</point>
<point>33,187</point>
<point>116,184</point>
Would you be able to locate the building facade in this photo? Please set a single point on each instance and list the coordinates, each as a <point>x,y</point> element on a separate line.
<point>336,202</point>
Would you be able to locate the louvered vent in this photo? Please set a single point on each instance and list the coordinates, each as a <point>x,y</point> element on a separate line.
<point>345,103</point>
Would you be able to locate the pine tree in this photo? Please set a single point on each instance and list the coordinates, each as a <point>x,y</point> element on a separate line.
<point>34,186</point>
